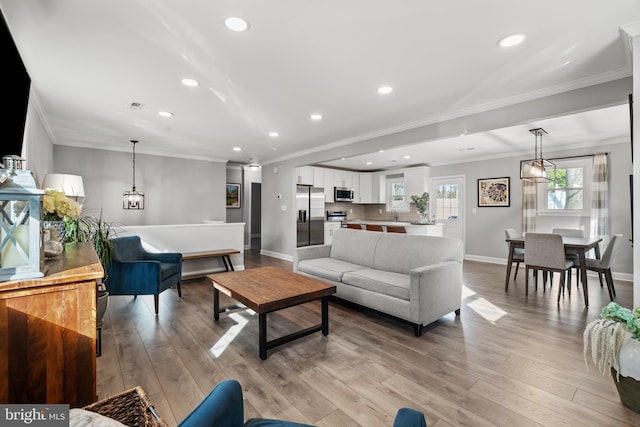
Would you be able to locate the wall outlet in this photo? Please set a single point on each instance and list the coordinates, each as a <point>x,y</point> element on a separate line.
<point>379,211</point>
<point>350,210</point>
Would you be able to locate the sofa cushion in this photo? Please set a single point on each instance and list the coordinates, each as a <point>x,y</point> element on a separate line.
<point>327,268</point>
<point>402,253</point>
<point>354,246</point>
<point>382,282</point>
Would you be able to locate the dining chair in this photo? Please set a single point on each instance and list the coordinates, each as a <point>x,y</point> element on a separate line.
<point>603,265</point>
<point>518,253</point>
<point>571,232</point>
<point>354,226</point>
<point>373,227</point>
<point>545,251</point>
<point>396,229</point>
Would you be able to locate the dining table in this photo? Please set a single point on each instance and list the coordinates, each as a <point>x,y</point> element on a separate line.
<point>572,245</point>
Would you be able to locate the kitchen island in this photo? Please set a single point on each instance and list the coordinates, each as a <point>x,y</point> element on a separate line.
<point>429,229</point>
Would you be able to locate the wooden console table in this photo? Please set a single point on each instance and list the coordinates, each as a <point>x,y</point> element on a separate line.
<point>48,332</point>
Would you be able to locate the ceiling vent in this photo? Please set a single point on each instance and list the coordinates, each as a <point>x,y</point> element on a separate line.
<point>137,106</point>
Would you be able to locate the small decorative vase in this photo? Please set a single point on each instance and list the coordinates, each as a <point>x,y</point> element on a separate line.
<point>424,218</point>
<point>57,230</point>
<point>628,384</point>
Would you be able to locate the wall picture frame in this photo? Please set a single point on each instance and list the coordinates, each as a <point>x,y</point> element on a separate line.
<point>494,192</point>
<point>233,195</point>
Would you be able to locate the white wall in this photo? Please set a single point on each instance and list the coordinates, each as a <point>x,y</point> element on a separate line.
<point>37,147</point>
<point>177,191</point>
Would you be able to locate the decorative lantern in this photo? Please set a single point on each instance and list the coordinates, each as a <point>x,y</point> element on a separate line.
<point>20,211</point>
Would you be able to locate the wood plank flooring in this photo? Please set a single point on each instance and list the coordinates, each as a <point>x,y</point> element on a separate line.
<point>508,360</point>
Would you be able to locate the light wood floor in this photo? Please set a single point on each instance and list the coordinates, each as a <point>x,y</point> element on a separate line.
<point>507,360</point>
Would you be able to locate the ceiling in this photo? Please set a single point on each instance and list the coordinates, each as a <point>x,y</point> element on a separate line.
<point>89,61</point>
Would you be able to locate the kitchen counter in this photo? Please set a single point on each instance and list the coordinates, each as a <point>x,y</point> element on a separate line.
<point>431,229</point>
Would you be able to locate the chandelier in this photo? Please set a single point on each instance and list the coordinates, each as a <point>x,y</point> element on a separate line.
<point>133,199</point>
<point>537,169</point>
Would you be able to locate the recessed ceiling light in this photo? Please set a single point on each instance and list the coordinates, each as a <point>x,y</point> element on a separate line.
<point>383,90</point>
<point>236,24</point>
<point>165,113</point>
<point>316,116</point>
<point>344,158</point>
<point>467,149</point>
<point>190,82</point>
<point>274,134</point>
<point>381,151</point>
<point>237,149</point>
<point>511,40</point>
<point>368,163</point>
<point>406,157</point>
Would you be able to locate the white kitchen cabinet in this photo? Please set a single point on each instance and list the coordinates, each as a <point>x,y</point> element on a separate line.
<point>318,177</point>
<point>426,230</point>
<point>343,178</point>
<point>366,188</point>
<point>356,186</point>
<point>329,229</point>
<point>304,175</point>
<point>378,189</point>
<point>328,186</point>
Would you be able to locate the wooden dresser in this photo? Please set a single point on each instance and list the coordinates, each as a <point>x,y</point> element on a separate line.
<point>48,332</point>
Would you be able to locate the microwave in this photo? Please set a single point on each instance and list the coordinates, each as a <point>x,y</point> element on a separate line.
<point>342,194</point>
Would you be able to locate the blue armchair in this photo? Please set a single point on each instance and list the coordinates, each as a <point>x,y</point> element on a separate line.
<point>223,407</point>
<point>134,271</point>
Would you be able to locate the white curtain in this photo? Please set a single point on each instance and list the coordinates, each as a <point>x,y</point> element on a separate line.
<point>529,206</point>
<point>600,198</point>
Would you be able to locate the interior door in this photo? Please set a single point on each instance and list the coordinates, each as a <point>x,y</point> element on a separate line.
<point>449,204</point>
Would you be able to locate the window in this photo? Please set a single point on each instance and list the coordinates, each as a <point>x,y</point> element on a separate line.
<point>396,198</point>
<point>570,193</point>
<point>447,202</point>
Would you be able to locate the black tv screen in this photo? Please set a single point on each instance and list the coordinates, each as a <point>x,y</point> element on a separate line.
<point>16,100</point>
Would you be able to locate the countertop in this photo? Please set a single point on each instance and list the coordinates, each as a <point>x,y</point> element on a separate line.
<point>390,222</point>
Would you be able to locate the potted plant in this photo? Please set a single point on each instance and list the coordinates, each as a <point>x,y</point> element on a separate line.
<point>100,233</point>
<point>422,206</point>
<point>612,342</point>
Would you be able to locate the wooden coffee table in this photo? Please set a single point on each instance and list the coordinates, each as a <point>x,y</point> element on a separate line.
<point>269,289</point>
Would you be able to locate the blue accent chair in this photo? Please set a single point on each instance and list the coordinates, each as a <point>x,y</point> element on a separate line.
<point>134,271</point>
<point>223,407</point>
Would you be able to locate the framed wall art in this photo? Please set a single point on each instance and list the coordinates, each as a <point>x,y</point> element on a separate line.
<point>494,192</point>
<point>233,195</point>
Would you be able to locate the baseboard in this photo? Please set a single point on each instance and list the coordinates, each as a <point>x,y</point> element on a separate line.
<point>625,277</point>
<point>284,257</point>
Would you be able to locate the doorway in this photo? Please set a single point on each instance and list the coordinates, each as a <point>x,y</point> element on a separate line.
<point>256,216</point>
<point>449,206</point>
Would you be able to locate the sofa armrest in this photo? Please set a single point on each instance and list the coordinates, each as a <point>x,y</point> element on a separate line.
<point>436,288</point>
<point>310,252</point>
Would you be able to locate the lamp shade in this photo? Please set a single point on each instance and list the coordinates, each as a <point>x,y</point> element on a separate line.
<point>71,185</point>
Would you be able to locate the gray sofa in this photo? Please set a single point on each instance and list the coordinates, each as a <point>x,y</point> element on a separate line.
<point>417,279</point>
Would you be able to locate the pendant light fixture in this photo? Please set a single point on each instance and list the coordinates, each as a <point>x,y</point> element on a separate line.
<point>133,199</point>
<point>537,169</point>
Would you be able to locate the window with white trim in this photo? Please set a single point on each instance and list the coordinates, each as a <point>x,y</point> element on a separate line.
<point>396,198</point>
<point>570,193</point>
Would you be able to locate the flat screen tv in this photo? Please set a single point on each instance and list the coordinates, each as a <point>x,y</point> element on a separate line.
<point>16,100</point>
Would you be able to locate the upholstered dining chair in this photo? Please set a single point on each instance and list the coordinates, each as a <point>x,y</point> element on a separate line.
<point>544,251</point>
<point>603,265</point>
<point>518,253</point>
<point>396,229</point>
<point>373,227</point>
<point>134,271</point>
<point>571,232</point>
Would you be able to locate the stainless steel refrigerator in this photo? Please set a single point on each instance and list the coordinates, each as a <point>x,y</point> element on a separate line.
<point>310,207</point>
